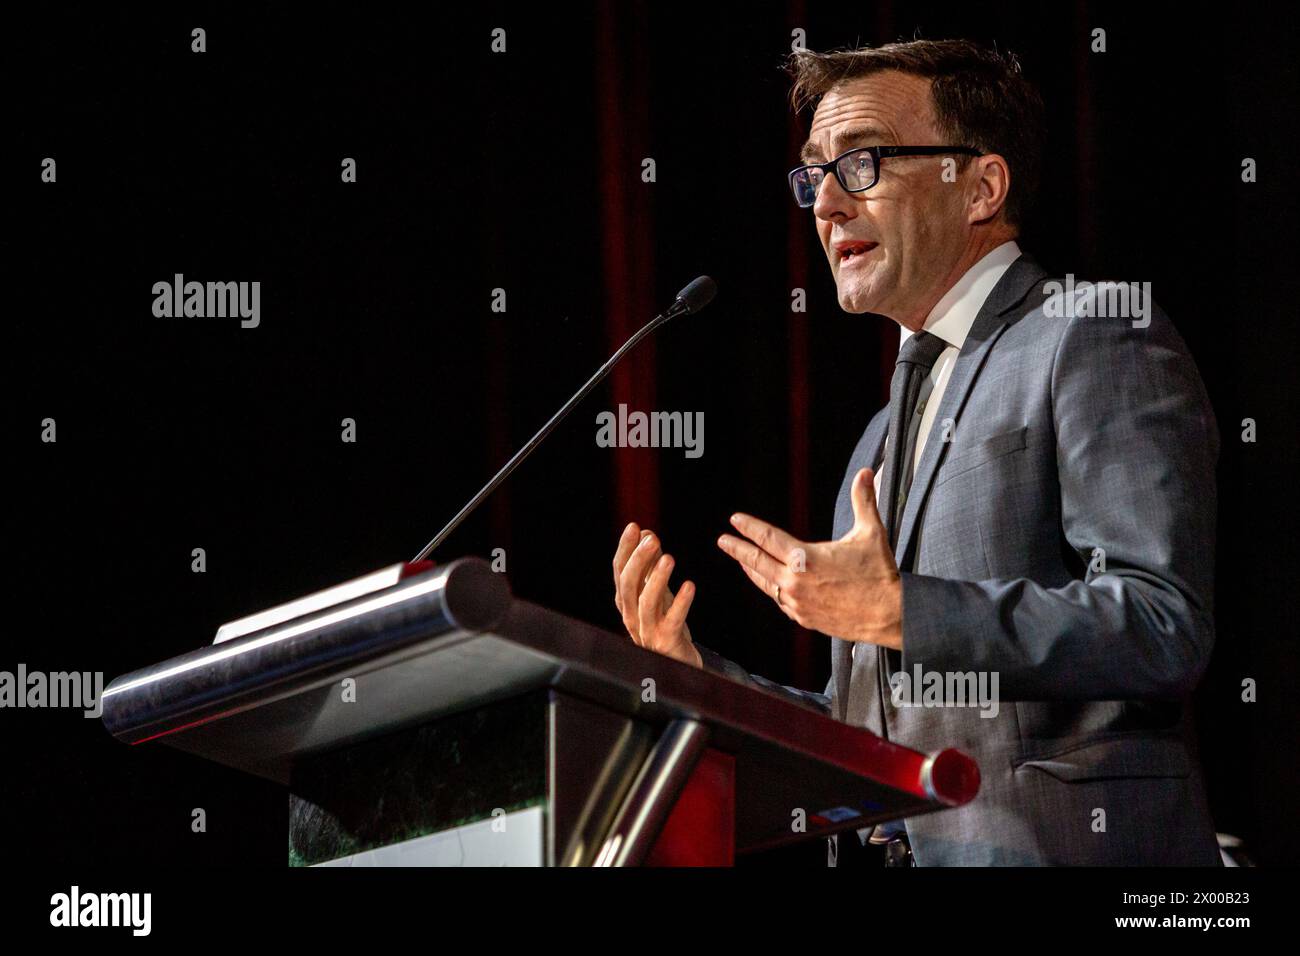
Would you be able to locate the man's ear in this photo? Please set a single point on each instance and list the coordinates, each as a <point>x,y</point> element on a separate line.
<point>992,181</point>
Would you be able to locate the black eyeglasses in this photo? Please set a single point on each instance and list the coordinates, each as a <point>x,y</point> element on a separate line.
<point>858,169</point>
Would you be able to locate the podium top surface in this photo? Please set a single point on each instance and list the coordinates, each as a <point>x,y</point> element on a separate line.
<point>452,639</point>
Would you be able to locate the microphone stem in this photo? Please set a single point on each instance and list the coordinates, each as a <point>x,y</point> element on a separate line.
<point>546,429</point>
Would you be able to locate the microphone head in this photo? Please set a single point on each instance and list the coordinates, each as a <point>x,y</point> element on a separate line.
<point>697,294</point>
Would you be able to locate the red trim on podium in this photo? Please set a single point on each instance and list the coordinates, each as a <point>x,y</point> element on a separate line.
<point>701,830</point>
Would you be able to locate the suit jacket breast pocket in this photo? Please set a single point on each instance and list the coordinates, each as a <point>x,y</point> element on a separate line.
<point>982,451</point>
<point>1121,756</point>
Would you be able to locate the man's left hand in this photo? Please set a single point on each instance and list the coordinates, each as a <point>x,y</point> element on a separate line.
<point>848,588</point>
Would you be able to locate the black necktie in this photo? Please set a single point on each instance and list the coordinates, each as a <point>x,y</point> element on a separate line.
<point>915,359</point>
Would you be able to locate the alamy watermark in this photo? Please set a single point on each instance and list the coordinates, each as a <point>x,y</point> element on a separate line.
<point>76,908</point>
<point>653,430</point>
<point>208,300</point>
<point>1126,300</point>
<point>74,689</point>
<point>924,688</point>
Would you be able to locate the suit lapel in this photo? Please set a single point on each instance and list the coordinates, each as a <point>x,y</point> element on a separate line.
<point>989,324</point>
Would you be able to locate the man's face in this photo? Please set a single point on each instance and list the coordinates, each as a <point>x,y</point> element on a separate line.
<point>912,222</point>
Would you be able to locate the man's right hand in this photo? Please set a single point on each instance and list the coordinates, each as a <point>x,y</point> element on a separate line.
<point>655,619</point>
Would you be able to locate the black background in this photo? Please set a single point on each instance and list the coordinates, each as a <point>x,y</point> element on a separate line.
<point>522,171</point>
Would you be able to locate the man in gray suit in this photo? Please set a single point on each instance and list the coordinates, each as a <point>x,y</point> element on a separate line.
<point>1022,558</point>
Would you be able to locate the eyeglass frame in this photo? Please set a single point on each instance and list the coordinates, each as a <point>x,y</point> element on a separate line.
<point>877,154</point>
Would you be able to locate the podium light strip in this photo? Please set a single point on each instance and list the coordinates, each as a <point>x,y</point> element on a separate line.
<point>283,634</point>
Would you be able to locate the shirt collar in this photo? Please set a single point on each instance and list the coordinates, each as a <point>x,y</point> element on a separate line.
<point>954,314</point>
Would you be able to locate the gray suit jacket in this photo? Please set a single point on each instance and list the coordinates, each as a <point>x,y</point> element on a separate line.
<point>1061,536</point>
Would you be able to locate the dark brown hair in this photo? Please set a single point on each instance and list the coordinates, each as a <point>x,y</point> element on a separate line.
<point>981,99</point>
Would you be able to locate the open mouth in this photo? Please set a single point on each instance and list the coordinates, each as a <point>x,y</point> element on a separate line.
<point>854,251</point>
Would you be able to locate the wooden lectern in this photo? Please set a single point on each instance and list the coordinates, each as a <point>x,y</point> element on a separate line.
<point>427,717</point>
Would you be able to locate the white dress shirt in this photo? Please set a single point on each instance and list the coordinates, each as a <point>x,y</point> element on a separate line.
<point>951,320</point>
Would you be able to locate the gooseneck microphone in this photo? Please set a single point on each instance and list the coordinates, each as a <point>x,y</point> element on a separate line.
<point>691,299</point>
